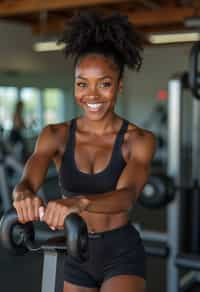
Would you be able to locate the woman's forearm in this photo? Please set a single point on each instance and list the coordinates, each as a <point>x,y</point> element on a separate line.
<point>112,202</point>
<point>21,188</point>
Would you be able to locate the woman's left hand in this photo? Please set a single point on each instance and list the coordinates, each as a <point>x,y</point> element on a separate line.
<point>55,212</point>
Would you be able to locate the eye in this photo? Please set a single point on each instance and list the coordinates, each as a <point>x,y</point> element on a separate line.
<point>105,84</point>
<point>81,84</point>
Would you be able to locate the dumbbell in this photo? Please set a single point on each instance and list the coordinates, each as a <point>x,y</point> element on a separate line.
<point>158,192</point>
<point>20,238</point>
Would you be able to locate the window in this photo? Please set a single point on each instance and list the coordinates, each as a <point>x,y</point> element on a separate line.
<point>54,108</point>
<point>41,107</point>
<point>32,109</point>
<point>8,99</point>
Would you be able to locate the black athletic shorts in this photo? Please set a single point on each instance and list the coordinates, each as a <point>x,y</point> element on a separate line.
<point>116,252</point>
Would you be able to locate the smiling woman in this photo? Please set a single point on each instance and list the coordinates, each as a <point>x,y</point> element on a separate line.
<point>102,159</point>
<point>96,85</point>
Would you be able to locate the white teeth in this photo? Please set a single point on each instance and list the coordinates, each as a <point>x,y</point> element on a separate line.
<point>94,105</point>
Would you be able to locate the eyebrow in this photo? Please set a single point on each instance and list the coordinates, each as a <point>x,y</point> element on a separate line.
<point>103,77</point>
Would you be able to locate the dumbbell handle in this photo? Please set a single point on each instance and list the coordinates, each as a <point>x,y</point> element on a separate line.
<point>10,222</point>
<point>74,233</point>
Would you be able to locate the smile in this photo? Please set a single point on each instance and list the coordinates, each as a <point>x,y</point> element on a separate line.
<point>94,106</point>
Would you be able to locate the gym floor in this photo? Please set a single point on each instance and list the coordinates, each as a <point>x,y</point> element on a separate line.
<point>23,273</point>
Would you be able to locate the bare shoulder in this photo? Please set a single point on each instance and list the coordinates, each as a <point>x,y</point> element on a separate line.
<point>58,130</point>
<point>52,136</point>
<point>142,142</point>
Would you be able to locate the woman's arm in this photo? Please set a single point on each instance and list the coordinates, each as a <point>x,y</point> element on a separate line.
<point>131,181</point>
<point>25,198</point>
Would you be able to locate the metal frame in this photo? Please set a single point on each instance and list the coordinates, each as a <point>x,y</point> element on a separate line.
<point>195,218</point>
<point>191,262</point>
<point>171,238</point>
<point>174,170</point>
<point>53,271</point>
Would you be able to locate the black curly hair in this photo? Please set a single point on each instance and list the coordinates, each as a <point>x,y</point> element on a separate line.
<point>112,36</point>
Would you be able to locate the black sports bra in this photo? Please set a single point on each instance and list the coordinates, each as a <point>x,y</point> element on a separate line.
<point>72,181</point>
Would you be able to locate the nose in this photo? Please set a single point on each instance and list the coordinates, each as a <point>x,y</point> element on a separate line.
<point>92,92</point>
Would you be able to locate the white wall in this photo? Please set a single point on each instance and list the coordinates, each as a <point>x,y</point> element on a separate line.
<point>159,64</point>
<point>17,54</point>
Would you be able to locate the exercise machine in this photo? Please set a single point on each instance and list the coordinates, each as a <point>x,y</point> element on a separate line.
<point>7,162</point>
<point>22,238</point>
<point>173,193</point>
<point>10,172</point>
<point>190,260</point>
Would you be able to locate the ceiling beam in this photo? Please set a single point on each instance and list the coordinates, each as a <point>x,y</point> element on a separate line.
<point>55,25</point>
<point>158,17</point>
<point>162,29</point>
<point>171,3</point>
<point>167,15</point>
<point>149,4</point>
<point>19,7</point>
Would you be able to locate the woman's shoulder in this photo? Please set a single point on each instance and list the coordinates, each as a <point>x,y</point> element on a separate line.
<point>140,138</point>
<point>137,132</point>
<point>57,127</point>
<point>55,133</point>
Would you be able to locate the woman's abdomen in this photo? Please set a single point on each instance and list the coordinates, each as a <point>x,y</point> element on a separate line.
<point>97,222</point>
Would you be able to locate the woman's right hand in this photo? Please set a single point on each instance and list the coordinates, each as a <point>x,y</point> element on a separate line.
<point>28,206</point>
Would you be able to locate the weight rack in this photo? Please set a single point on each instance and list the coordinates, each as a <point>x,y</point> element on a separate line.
<point>170,240</point>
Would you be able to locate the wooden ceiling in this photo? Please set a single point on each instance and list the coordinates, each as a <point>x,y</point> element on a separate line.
<point>50,16</point>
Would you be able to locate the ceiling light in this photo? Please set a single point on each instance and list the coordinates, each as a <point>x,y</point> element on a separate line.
<point>166,38</point>
<point>47,46</point>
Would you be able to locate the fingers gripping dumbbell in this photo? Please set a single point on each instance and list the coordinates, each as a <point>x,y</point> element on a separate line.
<point>19,238</point>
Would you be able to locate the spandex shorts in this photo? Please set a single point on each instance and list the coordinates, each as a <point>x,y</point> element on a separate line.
<point>115,252</point>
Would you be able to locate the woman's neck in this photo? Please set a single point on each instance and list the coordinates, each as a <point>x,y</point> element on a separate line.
<point>99,127</point>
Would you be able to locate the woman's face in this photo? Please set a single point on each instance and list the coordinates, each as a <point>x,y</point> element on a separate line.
<point>96,85</point>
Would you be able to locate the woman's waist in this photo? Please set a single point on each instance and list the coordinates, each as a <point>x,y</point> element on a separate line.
<point>97,222</point>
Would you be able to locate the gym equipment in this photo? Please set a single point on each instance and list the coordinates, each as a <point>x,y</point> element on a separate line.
<point>8,162</point>
<point>158,192</point>
<point>175,209</point>
<point>156,121</point>
<point>194,78</point>
<point>155,242</point>
<point>190,261</point>
<point>20,238</point>
<point>171,237</point>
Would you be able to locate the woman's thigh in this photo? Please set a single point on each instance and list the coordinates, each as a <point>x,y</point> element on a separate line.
<point>69,287</point>
<point>128,283</point>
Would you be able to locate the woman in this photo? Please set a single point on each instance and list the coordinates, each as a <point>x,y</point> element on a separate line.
<point>16,135</point>
<point>102,160</point>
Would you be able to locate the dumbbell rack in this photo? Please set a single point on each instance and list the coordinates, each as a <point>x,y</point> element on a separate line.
<point>171,240</point>
<point>166,244</point>
<point>191,261</point>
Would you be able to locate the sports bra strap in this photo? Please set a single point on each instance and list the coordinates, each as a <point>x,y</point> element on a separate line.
<point>122,131</point>
<point>71,136</point>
